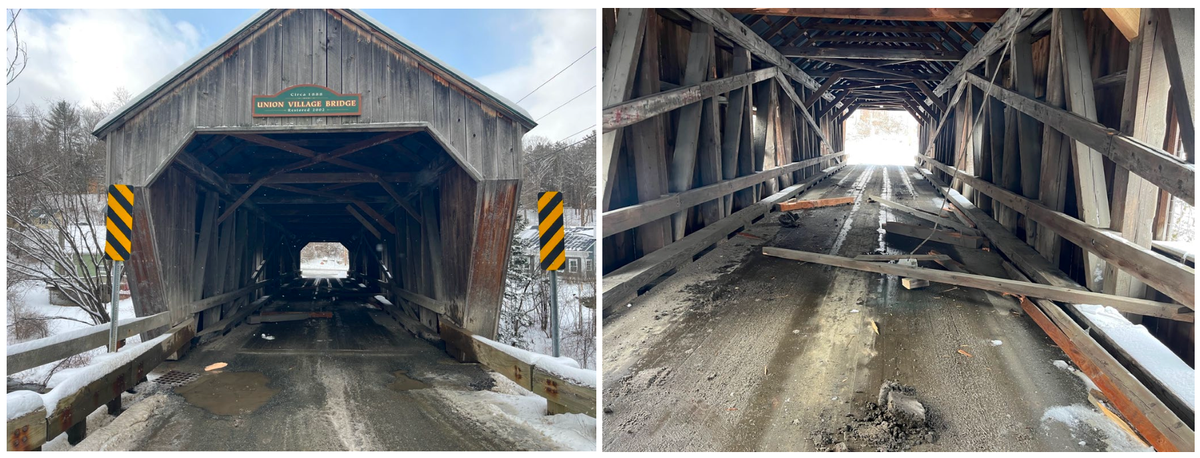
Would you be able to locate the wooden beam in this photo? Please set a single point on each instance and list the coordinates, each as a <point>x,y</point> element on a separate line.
<point>808,118</point>
<point>947,222</point>
<point>816,95</point>
<point>897,257</point>
<point>400,200</point>
<point>1126,20</point>
<point>30,354</point>
<point>624,52</point>
<point>211,179</point>
<point>875,53</point>
<point>1153,164</point>
<point>312,178</point>
<point>884,14</point>
<point>1015,19</point>
<point>872,75</point>
<point>743,36</point>
<point>687,131</point>
<point>962,32</point>
<point>1091,189</point>
<point>737,112</point>
<point>1170,277</point>
<point>1179,42</point>
<point>646,147</point>
<point>313,158</point>
<point>366,224</point>
<point>995,284</point>
<point>872,39</point>
<point>624,284</point>
<point>1144,115</point>
<point>796,204</point>
<point>868,28</point>
<point>643,108</point>
<point>924,88</point>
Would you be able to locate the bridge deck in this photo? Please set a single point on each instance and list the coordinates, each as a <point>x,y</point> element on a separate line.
<point>355,381</point>
<point>739,351</point>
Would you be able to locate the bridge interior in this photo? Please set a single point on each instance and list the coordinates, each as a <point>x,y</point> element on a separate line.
<point>725,160</point>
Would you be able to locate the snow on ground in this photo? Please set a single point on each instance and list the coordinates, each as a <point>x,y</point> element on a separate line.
<point>1160,362</point>
<point>562,366</point>
<point>36,299</point>
<point>1084,419</point>
<point>568,292</point>
<point>508,403</point>
<point>323,268</point>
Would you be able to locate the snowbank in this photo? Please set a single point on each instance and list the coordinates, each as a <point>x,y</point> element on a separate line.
<point>383,300</point>
<point>566,368</point>
<point>70,381</point>
<point>63,319</point>
<point>21,403</point>
<point>1160,362</point>
<point>509,403</point>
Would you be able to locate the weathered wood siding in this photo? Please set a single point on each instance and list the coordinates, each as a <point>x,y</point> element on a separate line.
<point>313,47</point>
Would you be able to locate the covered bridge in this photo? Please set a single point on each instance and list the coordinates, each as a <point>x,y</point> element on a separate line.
<point>319,126</point>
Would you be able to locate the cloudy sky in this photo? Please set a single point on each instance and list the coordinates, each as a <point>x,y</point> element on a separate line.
<point>85,55</point>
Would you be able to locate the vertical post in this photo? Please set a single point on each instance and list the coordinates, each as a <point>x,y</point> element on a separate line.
<point>554,310</point>
<point>115,300</point>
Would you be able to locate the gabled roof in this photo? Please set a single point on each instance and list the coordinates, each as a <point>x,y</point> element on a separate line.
<point>137,103</point>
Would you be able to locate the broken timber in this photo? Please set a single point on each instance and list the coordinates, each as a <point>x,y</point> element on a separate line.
<point>794,204</point>
<point>1000,285</point>
<point>923,233</point>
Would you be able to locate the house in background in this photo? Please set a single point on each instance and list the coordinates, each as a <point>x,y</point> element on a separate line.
<point>580,244</point>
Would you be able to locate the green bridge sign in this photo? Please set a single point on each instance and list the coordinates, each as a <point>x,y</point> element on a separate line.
<point>306,100</point>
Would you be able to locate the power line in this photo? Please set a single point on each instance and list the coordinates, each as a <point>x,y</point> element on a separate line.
<point>577,133</point>
<point>559,73</point>
<point>572,135</point>
<point>565,103</point>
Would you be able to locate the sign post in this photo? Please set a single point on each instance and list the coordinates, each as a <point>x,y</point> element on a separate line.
<point>553,254</point>
<point>117,247</point>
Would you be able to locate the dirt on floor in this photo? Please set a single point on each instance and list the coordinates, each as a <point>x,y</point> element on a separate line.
<point>353,381</point>
<point>743,352</point>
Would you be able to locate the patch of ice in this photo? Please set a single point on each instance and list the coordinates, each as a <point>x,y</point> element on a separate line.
<point>22,402</point>
<point>854,311</point>
<point>1160,362</point>
<point>564,367</point>
<point>1079,416</point>
<point>266,336</point>
<point>997,343</point>
<point>1087,381</point>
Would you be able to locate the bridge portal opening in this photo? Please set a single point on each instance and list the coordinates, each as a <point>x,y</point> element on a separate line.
<point>881,137</point>
<point>324,260</point>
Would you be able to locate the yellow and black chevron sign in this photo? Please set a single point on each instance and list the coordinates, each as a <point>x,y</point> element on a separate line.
<point>117,244</point>
<point>550,228</point>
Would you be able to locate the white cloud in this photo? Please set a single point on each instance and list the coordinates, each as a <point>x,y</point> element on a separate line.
<point>564,36</point>
<point>85,55</point>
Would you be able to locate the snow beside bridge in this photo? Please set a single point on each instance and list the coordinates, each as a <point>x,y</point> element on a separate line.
<point>563,367</point>
<point>1160,362</point>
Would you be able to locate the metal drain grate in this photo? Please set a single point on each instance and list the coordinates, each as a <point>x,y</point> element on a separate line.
<point>176,378</point>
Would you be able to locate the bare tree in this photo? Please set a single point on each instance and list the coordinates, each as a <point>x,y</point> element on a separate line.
<point>18,55</point>
<point>62,246</point>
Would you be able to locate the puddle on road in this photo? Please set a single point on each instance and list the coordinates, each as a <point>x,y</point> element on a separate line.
<point>228,393</point>
<point>405,383</point>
